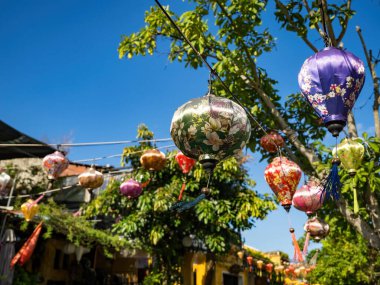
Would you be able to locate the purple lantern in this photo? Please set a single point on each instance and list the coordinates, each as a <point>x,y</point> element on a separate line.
<point>331,81</point>
<point>131,188</point>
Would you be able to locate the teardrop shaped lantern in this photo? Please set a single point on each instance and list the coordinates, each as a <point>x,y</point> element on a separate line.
<point>269,269</point>
<point>54,164</point>
<point>29,209</point>
<point>331,81</point>
<point>153,160</point>
<point>309,198</point>
<point>210,129</point>
<point>259,264</point>
<point>350,153</point>
<point>131,188</point>
<point>317,228</point>
<point>283,176</point>
<point>250,262</point>
<point>5,181</point>
<point>272,141</point>
<point>91,179</point>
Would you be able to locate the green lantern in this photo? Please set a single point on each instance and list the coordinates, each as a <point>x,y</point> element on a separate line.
<point>350,153</point>
<point>210,129</point>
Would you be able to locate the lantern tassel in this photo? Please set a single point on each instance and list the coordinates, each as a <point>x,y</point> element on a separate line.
<point>297,251</point>
<point>187,205</point>
<point>182,190</point>
<point>313,260</point>
<point>356,204</point>
<point>306,245</point>
<point>332,184</point>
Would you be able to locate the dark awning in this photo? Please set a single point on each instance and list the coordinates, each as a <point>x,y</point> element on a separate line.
<point>9,135</point>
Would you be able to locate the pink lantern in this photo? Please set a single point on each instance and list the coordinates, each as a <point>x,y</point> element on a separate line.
<point>309,197</point>
<point>317,228</point>
<point>283,176</point>
<point>54,164</point>
<point>131,188</point>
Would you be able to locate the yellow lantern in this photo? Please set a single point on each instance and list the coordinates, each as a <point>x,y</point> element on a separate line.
<point>350,153</point>
<point>29,209</point>
<point>259,264</point>
<point>153,160</point>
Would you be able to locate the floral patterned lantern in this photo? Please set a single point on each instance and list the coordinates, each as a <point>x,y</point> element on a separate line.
<point>91,179</point>
<point>131,188</point>
<point>5,181</point>
<point>29,209</point>
<point>317,228</point>
<point>309,197</point>
<point>350,153</point>
<point>153,160</point>
<point>54,164</point>
<point>331,81</point>
<point>210,129</point>
<point>283,176</point>
<point>272,141</point>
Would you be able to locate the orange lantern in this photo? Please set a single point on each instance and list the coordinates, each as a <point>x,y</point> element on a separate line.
<point>29,209</point>
<point>91,179</point>
<point>153,160</point>
<point>250,263</point>
<point>272,141</point>
<point>269,269</point>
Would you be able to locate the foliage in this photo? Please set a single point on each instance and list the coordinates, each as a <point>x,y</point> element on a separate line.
<point>23,277</point>
<point>150,222</point>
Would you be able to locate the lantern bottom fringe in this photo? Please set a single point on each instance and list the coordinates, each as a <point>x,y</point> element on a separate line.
<point>332,184</point>
<point>181,192</point>
<point>306,245</point>
<point>297,251</point>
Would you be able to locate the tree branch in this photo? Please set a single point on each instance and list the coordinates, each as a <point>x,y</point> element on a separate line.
<point>373,208</point>
<point>345,24</point>
<point>351,124</point>
<point>309,11</point>
<point>330,29</point>
<point>375,79</point>
<point>291,22</point>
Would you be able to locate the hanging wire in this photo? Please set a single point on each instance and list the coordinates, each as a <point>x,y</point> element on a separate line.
<point>326,38</point>
<point>59,145</point>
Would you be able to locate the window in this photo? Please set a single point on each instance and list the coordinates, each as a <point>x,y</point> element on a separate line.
<point>229,279</point>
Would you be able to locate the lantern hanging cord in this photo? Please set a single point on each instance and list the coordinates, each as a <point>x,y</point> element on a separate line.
<point>326,37</point>
<point>212,70</point>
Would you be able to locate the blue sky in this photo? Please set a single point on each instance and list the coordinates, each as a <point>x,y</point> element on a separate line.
<point>61,80</point>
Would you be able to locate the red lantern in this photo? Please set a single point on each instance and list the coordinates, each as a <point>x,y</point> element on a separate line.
<point>54,164</point>
<point>283,176</point>
<point>308,198</point>
<point>153,160</point>
<point>186,164</point>
<point>91,179</point>
<point>131,188</point>
<point>269,269</point>
<point>250,263</point>
<point>272,141</point>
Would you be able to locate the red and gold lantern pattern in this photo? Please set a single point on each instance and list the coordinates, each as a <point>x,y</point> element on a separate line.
<point>131,188</point>
<point>269,269</point>
<point>272,141</point>
<point>91,179</point>
<point>54,164</point>
<point>153,160</point>
<point>283,176</point>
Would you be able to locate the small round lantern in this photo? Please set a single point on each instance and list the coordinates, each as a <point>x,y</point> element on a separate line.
<point>272,141</point>
<point>29,209</point>
<point>240,254</point>
<point>283,176</point>
<point>331,81</point>
<point>317,228</point>
<point>350,153</point>
<point>91,179</point>
<point>250,262</point>
<point>279,271</point>
<point>269,269</point>
<point>5,182</point>
<point>259,264</point>
<point>210,129</point>
<point>309,197</point>
<point>131,188</point>
<point>153,160</point>
<point>54,164</point>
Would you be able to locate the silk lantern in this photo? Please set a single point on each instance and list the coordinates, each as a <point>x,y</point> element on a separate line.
<point>283,176</point>
<point>279,271</point>
<point>91,179</point>
<point>259,264</point>
<point>210,129</point>
<point>350,153</point>
<point>153,160</point>
<point>317,228</point>
<point>29,209</point>
<point>131,188</point>
<point>331,81</point>
<point>5,181</point>
<point>272,141</point>
<point>250,263</point>
<point>54,164</point>
<point>308,198</point>
<point>186,164</point>
<point>269,269</point>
